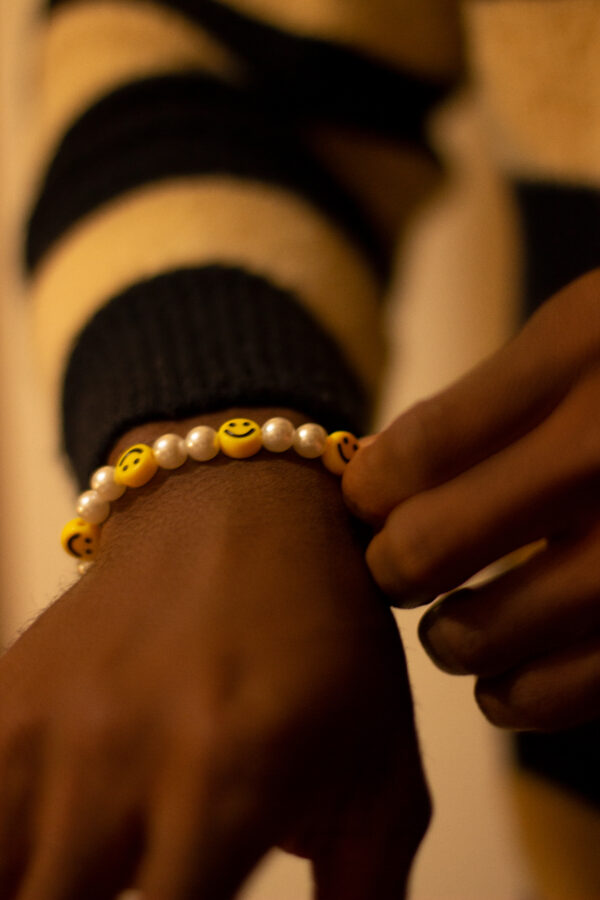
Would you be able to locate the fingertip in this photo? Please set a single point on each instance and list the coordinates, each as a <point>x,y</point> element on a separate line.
<point>374,481</point>
<point>359,487</point>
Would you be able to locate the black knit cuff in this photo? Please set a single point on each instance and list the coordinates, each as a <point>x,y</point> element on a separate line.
<point>196,340</point>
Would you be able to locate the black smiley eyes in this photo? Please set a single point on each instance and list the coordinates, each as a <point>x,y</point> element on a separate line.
<point>236,425</point>
<point>346,440</point>
<point>134,463</point>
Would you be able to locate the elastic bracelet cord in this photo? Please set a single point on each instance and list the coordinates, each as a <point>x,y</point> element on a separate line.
<point>236,438</point>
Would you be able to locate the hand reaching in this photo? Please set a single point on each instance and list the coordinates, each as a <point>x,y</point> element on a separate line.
<point>508,455</point>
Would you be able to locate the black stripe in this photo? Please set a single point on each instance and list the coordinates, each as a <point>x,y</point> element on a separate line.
<point>180,125</point>
<point>195,340</point>
<point>561,232</point>
<point>317,79</point>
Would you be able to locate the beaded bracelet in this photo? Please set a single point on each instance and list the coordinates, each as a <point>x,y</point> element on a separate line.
<point>237,438</point>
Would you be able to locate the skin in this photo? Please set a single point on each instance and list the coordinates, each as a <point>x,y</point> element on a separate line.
<point>225,678</point>
<point>508,455</point>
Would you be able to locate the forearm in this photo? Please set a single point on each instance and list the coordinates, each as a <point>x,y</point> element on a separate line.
<point>258,501</point>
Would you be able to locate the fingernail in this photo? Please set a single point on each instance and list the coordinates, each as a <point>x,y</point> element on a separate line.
<point>431,636</point>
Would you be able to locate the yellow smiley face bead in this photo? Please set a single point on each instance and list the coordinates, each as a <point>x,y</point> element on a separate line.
<point>340,447</point>
<point>240,438</point>
<point>136,466</point>
<point>80,539</point>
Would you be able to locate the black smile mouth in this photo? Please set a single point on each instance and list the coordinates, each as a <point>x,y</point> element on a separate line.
<point>70,543</point>
<point>245,434</point>
<point>341,452</point>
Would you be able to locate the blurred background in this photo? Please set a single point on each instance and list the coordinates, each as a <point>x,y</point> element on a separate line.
<point>452,303</point>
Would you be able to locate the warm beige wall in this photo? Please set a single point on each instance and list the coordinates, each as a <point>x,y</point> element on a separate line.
<point>449,310</point>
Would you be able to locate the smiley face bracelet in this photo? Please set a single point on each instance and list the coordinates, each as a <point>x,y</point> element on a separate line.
<point>236,438</point>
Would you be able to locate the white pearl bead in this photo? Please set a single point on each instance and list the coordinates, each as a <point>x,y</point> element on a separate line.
<point>103,482</point>
<point>85,566</point>
<point>169,451</point>
<point>278,434</point>
<point>92,508</point>
<point>202,443</point>
<point>309,440</point>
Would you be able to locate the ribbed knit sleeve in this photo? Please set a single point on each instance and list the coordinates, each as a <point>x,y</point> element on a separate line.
<point>220,189</point>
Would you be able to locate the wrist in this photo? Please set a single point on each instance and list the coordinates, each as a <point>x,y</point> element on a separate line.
<point>274,497</point>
